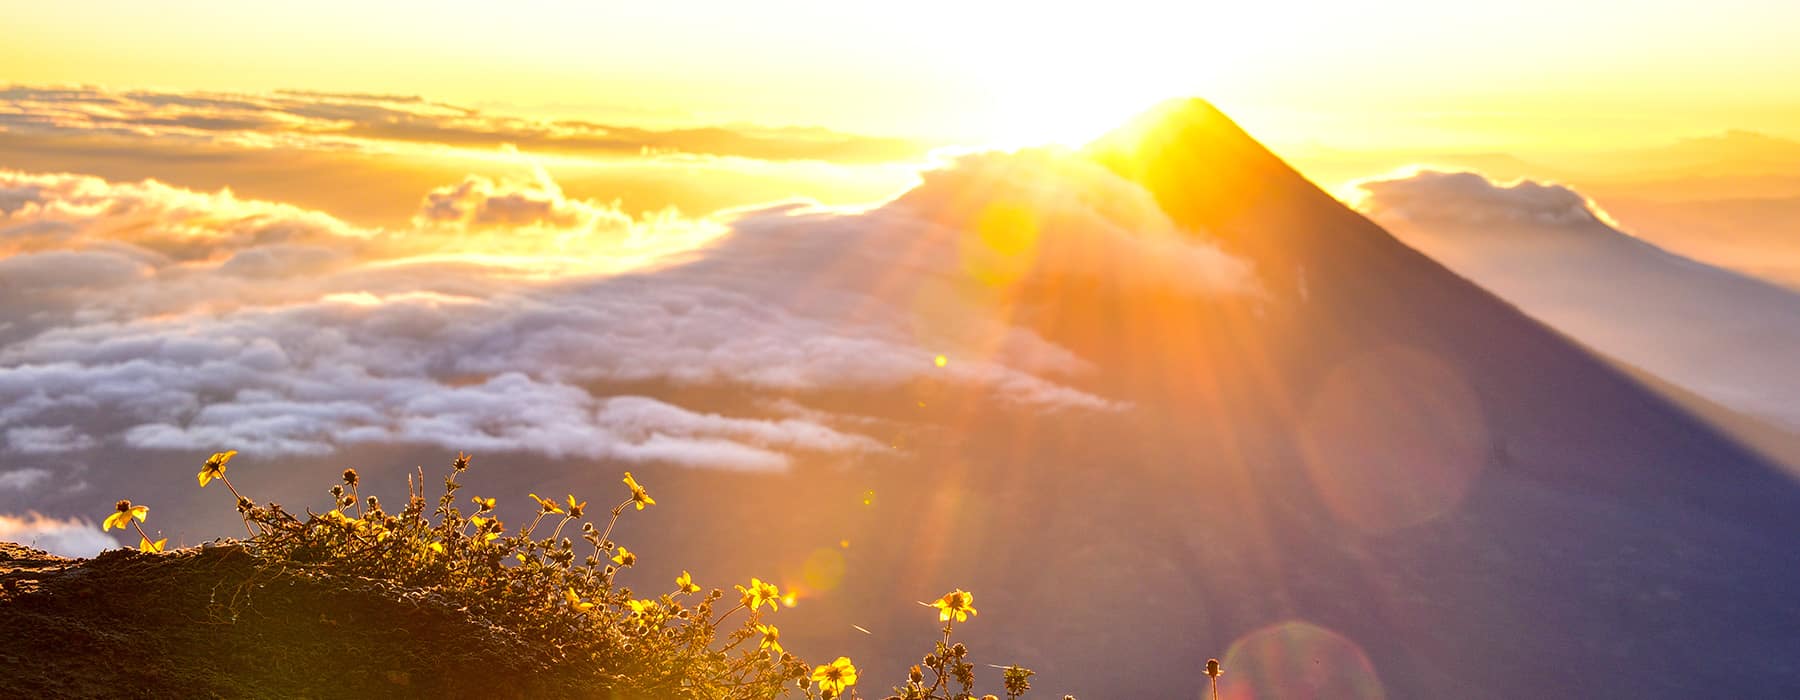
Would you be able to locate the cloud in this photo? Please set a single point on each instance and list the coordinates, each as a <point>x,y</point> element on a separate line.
<point>37,440</point>
<point>511,317</point>
<point>1429,196</point>
<point>69,538</point>
<point>350,121</point>
<point>23,479</point>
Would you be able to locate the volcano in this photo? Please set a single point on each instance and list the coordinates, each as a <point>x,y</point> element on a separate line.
<point>1371,479</point>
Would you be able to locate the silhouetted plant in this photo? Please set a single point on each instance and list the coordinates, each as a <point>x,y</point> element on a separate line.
<point>587,624</point>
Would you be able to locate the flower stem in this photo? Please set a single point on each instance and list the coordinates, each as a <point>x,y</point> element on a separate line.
<point>240,499</point>
<point>146,536</point>
<point>559,527</point>
<point>616,511</point>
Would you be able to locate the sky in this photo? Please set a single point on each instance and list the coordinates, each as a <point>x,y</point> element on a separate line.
<point>1543,73</point>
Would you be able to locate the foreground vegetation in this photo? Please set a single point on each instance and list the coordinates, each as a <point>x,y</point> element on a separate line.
<point>552,586</point>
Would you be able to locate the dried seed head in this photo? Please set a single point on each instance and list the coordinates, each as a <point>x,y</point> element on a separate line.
<point>350,476</point>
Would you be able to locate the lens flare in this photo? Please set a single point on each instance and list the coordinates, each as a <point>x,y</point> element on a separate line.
<point>1393,438</point>
<point>1298,660</point>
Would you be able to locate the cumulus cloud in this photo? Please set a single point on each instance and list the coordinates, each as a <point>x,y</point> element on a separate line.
<point>195,321</point>
<point>1429,196</point>
<point>69,538</point>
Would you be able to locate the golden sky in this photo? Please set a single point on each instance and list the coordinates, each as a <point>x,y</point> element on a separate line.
<point>1419,73</point>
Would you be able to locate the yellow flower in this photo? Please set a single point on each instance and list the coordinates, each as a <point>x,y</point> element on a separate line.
<point>477,520</point>
<point>437,547</point>
<point>771,637</point>
<point>575,509</point>
<point>123,515</point>
<point>836,676</point>
<point>759,593</point>
<point>548,505</point>
<point>625,557</point>
<point>483,504</point>
<point>147,546</point>
<point>575,601</point>
<point>685,583</point>
<point>641,607</point>
<point>638,494</point>
<point>958,603</point>
<point>215,466</point>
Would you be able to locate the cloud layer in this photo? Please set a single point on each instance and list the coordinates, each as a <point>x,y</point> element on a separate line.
<point>361,121</point>
<point>69,538</point>
<point>511,317</point>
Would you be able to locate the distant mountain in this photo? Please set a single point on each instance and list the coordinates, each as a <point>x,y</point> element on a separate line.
<point>1720,334</point>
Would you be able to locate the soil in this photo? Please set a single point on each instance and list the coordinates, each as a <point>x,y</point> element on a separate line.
<point>212,621</point>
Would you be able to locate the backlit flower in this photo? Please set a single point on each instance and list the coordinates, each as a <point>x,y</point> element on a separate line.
<point>836,676</point>
<point>123,515</point>
<point>575,601</point>
<point>638,494</point>
<point>482,505</point>
<point>685,583</point>
<point>959,604</point>
<point>759,593</point>
<point>771,637</point>
<point>215,466</point>
<point>145,545</point>
<point>548,505</point>
<point>575,509</point>
<point>624,557</point>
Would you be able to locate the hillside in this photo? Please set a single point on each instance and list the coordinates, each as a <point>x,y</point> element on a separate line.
<point>209,622</point>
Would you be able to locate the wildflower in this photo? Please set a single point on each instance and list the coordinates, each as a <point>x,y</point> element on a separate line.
<point>350,477</point>
<point>215,466</point>
<point>546,504</point>
<point>641,607</point>
<point>123,516</point>
<point>685,583</point>
<point>771,637</point>
<point>638,494</point>
<point>483,505</point>
<point>575,601</point>
<point>759,593</point>
<point>437,547</point>
<point>959,604</point>
<point>625,557</point>
<point>145,545</point>
<point>575,509</point>
<point>461,463</point>
<point>835,677</point>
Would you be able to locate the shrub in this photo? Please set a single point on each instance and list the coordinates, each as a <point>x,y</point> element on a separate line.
<point>562,598</point>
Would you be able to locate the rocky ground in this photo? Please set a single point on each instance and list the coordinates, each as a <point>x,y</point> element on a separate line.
<point>211,622</point>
